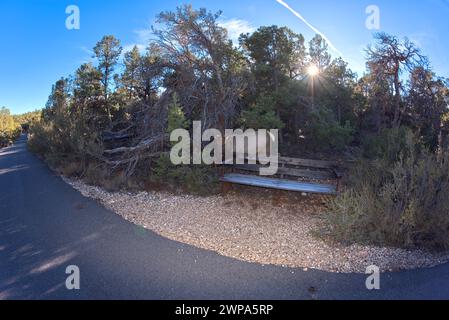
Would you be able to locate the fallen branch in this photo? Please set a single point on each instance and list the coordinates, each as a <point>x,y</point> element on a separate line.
<point>144,144</point>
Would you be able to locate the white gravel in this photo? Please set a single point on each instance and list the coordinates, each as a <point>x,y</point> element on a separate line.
<point>252,228</point>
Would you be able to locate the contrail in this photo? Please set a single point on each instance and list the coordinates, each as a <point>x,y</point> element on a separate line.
<point>297,14</point>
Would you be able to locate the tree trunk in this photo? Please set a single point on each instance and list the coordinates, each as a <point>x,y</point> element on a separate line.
<point>397,104</point>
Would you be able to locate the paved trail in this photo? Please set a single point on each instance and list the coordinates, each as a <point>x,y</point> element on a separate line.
<point>45,226</point>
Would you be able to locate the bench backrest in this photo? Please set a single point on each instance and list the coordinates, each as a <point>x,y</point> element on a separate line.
<point>298,168</point>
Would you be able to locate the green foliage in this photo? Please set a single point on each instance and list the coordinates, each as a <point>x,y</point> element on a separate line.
<point>195,179</point>
<point>9,129</point>
<point>389,144</point>
<point>62,136</point>
<point>427,101</point>
<point>176,116</point>
<point>325,133</point>
<point>27,119</point>
<point>38,141</point>
<point>261,115</point>
<point>401,205</point>
<point>397,200</point>
<point>278,54</point>
<point>319,53</point>
<point>107,51</point>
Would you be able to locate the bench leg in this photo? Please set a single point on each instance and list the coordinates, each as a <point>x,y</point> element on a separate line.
<point>277,197</point>
<point>226,187</point>
<point>221,171</point>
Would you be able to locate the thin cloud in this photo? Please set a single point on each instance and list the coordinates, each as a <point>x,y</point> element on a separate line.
<point>90,58</point>
<point>130,47</point>
<point>298,15</point>
<point>87,50</point>
<point>143,37</point>
<point>236,27</point>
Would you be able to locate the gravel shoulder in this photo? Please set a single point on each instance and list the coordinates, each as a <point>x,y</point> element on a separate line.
<point>250,227</point>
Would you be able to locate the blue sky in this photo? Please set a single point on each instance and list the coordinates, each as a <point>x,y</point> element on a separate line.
<point>37,49</point>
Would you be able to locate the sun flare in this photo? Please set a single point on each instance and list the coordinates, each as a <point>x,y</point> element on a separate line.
<point>313,70</point>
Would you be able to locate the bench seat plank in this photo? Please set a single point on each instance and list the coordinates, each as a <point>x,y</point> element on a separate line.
<point>256,181</point>
<point>291,172</point>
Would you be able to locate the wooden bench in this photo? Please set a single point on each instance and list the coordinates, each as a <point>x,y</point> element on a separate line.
<point>312,170</point>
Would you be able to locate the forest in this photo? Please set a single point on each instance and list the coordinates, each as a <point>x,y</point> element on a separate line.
<point>109,123</point>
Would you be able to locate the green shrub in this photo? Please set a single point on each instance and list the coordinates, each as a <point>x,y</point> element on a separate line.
<point>402,205</point>
<point>9,129</point>
<point>196,179</point>
<point>8,138</point>
<point>71,169</point>
<point>262,115</point>
<point>38,141</point>
<point>388,144</point>
<point>333,136</point>
<point>326,133</point>
<point>98,174</point>
<point>176,116</point>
